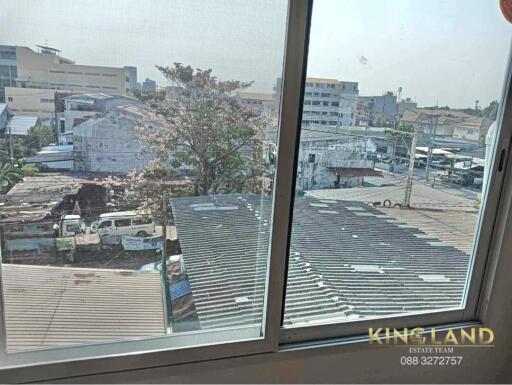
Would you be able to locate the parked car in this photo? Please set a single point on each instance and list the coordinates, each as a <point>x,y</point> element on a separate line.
<point>71,225</point>
<point>124,223</point>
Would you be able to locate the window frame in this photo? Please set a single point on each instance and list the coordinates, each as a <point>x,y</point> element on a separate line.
<point>157,351</point>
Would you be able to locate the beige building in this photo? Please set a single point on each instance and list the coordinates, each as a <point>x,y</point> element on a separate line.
<point>31,101</point>
<point>47,69</point>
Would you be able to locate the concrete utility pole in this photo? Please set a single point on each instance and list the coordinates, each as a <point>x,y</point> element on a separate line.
<point>11,147</point>
<point>410,172</point>
<point>432,137</point>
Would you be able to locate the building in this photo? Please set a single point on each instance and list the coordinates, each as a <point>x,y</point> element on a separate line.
<point>108,144</point>
<point>32,101</point>
<point>380,110</point>
<point>77,108</point>
<point>330,102</point>
<point>14,124</point>
<point>446,123</point>
<point>131,73</point>
<point>333,160</point>
<point>406,104</point>
<point>148,86</point>
<point>47,69</point>
<point>8,69</point>
<point>263,104</point>
<point>327,102</point>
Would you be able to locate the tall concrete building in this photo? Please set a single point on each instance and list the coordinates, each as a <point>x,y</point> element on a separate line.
<point>131,73</point>
<point>148,85</point>
<point>8,69</point>
<point>381,109</point>
<point>328,102</point>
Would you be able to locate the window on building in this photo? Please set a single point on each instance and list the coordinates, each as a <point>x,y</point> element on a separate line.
<point>335,104</point>
<point>307,102</point>
<point>311,158</point>
<point>10,99</point>
<point>326,95</point>
<point>316,93</point>
<point>315,102</point>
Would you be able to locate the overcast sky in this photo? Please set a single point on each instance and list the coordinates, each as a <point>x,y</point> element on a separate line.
<point>439,51</point>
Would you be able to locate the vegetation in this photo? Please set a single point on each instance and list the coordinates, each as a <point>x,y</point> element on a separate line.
<point>202,125</point>
<point>9,176</point>
<point>37,137</point>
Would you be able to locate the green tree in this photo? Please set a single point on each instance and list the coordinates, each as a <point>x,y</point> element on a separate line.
<point>202,124</point>
<point>9,176</point>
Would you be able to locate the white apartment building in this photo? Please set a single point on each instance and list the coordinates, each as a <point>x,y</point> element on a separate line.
<point>330,102</point>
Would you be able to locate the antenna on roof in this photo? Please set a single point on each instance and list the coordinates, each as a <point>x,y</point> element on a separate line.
<point>48,50</point>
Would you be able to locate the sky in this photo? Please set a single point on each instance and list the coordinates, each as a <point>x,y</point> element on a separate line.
<point>445,52</point>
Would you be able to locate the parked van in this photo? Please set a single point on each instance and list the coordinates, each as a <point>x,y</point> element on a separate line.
<point>71,225</point>
<point>124,223</point>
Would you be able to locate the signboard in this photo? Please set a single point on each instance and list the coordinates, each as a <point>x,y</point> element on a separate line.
<point>139,243</point>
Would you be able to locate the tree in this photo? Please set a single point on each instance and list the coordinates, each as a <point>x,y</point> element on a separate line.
<point>202,124</point>
<point>38,137</point>
<point>9,176</point>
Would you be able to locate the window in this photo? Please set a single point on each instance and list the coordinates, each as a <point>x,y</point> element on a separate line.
<point>335,104</point>
<point>388,250</point>
<point>325,103</point>
<point>326,95</point>
<point>105,224</point>
<point>122,222</point>
<point>316,93</point>
<point>10,99</point>
<point>368,240</point>
<point>142,221</point>
<point>113,286</point>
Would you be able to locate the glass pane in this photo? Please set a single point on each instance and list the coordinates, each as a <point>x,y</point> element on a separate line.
<point>139,173</point>
<point>397,133</point>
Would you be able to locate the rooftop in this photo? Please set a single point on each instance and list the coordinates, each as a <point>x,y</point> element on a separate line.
<point>20,125</point>
<point>59,306</point>
<point>347,261</point>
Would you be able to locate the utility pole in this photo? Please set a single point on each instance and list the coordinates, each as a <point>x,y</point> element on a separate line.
<point>410,172</point>
<point>11,148</point>
<point>432,137</point>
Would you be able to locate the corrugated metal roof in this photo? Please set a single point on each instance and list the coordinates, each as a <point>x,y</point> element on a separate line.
<point>55,306</point>
<point>19,125</point>
<point>347,261</point>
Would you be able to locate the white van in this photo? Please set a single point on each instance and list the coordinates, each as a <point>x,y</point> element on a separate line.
<point>71,225</point>
<point>124,223</point>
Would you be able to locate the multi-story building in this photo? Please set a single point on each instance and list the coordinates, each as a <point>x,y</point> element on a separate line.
<point>148,85</point>
<point>382,109</point>
<point>38,102</point>
<point>131,73</point>
<point>330,102</point>
<point>263,104</point>
<point>46,69</point>
<point>8,69</point>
